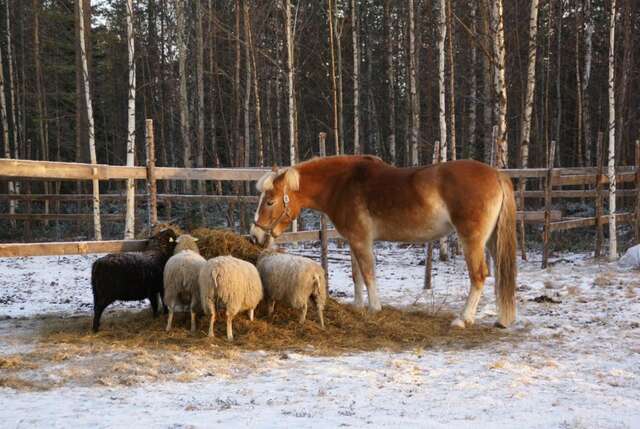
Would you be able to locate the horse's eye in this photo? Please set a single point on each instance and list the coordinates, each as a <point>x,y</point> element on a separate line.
<point>270,203</point>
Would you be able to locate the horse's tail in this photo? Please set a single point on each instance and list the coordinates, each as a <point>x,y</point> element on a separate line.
<point>504,254</point>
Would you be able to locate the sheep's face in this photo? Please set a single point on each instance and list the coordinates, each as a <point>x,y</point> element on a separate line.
<point>164,241</point>
<point>278,206</point>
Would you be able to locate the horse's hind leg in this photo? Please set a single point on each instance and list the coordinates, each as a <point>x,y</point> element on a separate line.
<point>358,281</point>
<point>366,262</point>
<point>478,271</point>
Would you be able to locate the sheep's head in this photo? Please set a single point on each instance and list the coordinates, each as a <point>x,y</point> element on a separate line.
<point>165,241</point>
<point>186,242</point>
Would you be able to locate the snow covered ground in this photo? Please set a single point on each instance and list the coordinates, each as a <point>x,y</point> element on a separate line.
<point>573,363</point>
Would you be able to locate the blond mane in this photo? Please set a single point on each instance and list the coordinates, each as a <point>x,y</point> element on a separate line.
<point>290,175</point>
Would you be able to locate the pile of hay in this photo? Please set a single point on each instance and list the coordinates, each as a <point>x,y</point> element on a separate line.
<point>148,232</point>
<point>133,348</point>
<point>219,242</point>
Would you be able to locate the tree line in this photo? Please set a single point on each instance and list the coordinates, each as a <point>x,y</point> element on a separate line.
<point>253,83</point>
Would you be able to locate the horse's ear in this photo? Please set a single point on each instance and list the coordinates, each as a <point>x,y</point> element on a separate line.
<point>292,179</point>
<point>265,183</point>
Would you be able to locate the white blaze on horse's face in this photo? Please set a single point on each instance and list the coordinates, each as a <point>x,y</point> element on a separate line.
<point>274,213</point>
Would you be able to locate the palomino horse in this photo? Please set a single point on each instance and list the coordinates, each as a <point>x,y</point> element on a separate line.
<point>369,200</point>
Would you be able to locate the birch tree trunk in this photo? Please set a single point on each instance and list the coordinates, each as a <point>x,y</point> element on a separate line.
<point>500,83</point>
<point>256,88</point>
<point>473,87</point>
<point>525,129</point>
<point>293,155</point>
<point>613,246</point>
<point>334,83</point>
<point>247,100</point>
<point>97,230</point>
<point>355,27</point>
<point>442,107</point>
<point>452,84</point>
<point>131,125</point>
<point>200,90</point>
<point>586,78</point>
<point>41,99</point>
<point>13,186</point>
<point>5,136</point>
<point>391,80</point>
<point>182,76</point>
<point>414,129</point>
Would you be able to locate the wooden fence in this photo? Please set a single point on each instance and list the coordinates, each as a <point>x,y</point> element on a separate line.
<point>586,183</point>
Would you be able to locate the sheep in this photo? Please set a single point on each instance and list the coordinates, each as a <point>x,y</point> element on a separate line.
<point>293,280</point>
<point>233,282</point>
<point>181,278</point>
<point>131,276</point>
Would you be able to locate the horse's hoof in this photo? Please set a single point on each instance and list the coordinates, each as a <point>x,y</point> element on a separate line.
<point>374,308</point>
<point>358,303</point>
<point>458,323</point>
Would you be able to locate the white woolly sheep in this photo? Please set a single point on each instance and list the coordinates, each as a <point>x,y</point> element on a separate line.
<point>293,280</point>
<point>181,278</point>
<point>234,283</point>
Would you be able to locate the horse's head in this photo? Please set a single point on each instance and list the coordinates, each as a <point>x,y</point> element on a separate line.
<point>277,207</point>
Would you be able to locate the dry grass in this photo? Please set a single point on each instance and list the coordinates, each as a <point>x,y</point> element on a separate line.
<point>219,242</point>
<point>133,348</point>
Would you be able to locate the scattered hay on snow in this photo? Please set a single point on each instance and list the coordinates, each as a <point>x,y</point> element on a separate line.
<point>133,347</point>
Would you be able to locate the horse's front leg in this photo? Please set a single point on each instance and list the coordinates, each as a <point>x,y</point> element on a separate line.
<point>366,262</point>
<point>358,281</point>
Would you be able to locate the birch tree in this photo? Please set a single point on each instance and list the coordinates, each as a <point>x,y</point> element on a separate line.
<point>442,108</point>
<point>5,135</point>
<point>391,79</point>
<point>131,125</point>
<point>500,85</point>
<point>613,247</point>
<point>473,86</point>
<point>97,230</point>
<point>586,78</point>
<point>182,77</point>
<point>256,87</point>
<point>414,130</point>
<point>41,102</point>
<point>452,83</point>
<point>293,155</point>
<point>356,76</point>
<point>334,83</point>
<point>525,130</point>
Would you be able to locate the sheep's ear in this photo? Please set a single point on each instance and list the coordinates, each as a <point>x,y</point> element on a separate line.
<point>195,239</point>
<point>171,240</point>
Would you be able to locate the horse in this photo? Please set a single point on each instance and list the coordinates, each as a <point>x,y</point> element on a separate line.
<point>368,200</point>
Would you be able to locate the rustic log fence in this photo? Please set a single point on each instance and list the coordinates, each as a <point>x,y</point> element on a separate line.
<point>589,180</point>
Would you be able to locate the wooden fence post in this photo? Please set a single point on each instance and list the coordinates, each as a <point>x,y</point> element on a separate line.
<point>428,261</point>
<point>547,204</point>
<point>637,193</point>
<point>152,190</point>
<point>324,239</point>
<point>599,175</point>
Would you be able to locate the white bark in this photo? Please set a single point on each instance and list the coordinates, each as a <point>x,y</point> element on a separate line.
<point>613,247</point>
<point>97,230</point>
<point>414,134</point>
<point>499,80</point>
<point>356,76</point>
<point>290,73</point>
<point>182,75</point>
<point>442,108</point>
<point>525,134</point>
<point>473,85</point>
<point>131,125</point>
<point>293,156</point>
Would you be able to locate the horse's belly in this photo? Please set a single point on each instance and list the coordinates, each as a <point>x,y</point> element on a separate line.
<point>414,227</point>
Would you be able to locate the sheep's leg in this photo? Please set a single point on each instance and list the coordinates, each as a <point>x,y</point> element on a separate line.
<point>212,310</point>
<point>303,313</point>
<point>169,318</point>
<point>271,305</point>
<point>97,314</point>
<point>251,314</point>
<point>229,326</point>
<point>154,305</point>
<point>193,320</point>
<point>320,310</point>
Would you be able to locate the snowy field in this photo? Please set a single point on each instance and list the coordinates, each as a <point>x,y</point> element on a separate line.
<point>570,363</point>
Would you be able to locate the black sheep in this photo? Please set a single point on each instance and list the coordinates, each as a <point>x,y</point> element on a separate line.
<point>131,276</point>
